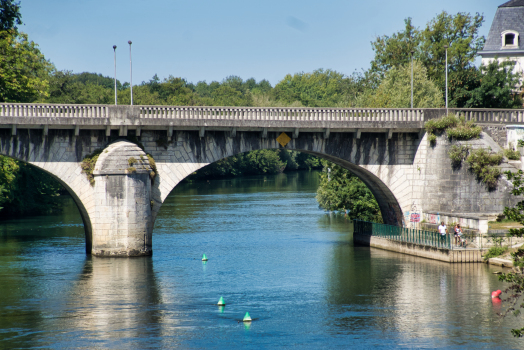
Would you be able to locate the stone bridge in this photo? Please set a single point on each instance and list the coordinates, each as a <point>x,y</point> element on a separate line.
<point>386,148</point>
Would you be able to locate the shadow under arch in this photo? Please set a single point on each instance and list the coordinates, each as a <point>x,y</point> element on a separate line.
<point>80,206</point>
<point>389,206</point>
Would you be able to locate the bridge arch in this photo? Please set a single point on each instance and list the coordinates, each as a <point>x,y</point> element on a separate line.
<point>49,155</point>
<point>372,158</point>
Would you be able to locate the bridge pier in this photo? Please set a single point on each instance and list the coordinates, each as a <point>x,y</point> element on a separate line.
<point>122,220</point>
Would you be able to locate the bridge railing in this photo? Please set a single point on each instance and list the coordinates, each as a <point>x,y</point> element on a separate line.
<point>222,113</point>
<point>403,234</point>
<point>280,113</point>
<point>54,110</point>
<point>479,115</point>
<point>495,116</point>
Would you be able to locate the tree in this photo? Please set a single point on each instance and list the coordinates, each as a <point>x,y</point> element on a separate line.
<point>66,87</point>
<point>515,278</point>
<point>23,69</point>
<point>460,32</point>
<point>322,88</point>
<point>9,15</point>
<point>340,190</point>
<point>26,190</point>
<point>497,87</point>
<point>395,90</point>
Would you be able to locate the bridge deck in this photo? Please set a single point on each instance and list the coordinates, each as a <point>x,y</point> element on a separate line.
<point>303,119</point>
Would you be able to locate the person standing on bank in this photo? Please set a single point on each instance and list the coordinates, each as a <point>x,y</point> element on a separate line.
<point>442,229</point>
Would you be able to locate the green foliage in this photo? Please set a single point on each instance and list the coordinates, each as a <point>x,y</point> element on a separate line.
<point>395,89</point>
<point>512,154</point>
<point>152,164</point>
<point>459,32</point>
<point>482,163</point>
<point>340,190</point>
<point>23,69</point>
<point>497,86</point>
<point>432,138</point>
<point>457,154</point>
<point>433,126</point>
<point>258,163</point>
<point>26,190</point>
<point>454,127</point>
<point>83,88</point>
<point>131,161</point>
<point>10,15</point>
<point>131,170</point>
<point>322,88</point>
<point>88,165</point>
<point>464,130</point>
<point>495,251</point>
<point>516,277</point>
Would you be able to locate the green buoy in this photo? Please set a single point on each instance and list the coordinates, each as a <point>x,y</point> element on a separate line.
<point>221,302</point>
<point>247,318</point>
<point>204,257</point>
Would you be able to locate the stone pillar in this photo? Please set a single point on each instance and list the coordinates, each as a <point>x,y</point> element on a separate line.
<point>122,224</point>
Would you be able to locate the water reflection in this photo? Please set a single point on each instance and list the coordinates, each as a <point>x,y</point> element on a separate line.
<point>416,301</point>
<point>112,300</point>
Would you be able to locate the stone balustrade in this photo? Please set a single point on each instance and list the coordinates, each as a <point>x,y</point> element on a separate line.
<point>34,115</point>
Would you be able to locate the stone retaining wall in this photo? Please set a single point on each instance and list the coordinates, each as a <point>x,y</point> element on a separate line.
<point>447,255</point>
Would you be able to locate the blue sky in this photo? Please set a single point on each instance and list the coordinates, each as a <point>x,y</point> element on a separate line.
<point>212,39</point>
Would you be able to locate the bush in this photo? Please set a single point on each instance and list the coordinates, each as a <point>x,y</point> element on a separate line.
<point>432,138</point>
<point>494,252</point>
<point>457,154</point>
<point>512,154</point>
<point>464,130</point>
<point>438,125</point>
<point>482,164</point>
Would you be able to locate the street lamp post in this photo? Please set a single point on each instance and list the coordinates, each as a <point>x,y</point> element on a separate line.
<point>131,71</point>
<point>412,52</point>
<point>114,49</point>
<point>446,47</point>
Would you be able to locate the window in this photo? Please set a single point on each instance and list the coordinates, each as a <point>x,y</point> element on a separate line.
<point>510,39</point>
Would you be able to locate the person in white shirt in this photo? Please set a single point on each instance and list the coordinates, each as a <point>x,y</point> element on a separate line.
<point>442,229</point>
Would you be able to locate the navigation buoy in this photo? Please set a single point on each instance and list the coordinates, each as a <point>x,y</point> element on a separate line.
<point>221,302</point>
<point>204,257</point>
<point>496,294</point>
<point>247,318</point>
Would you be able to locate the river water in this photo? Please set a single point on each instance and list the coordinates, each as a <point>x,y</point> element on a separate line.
<point>271,253</point>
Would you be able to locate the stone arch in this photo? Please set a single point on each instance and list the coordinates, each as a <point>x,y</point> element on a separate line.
<point>55,156</point>
<point>373,158</point>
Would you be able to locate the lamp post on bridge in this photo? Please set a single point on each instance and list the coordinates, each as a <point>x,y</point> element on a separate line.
<point>114,49</point>
<point>446,47</point>
<point>131,71</point>
<point>412,52</point>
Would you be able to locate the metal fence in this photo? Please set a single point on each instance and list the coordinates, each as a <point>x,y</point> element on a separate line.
<point>403,234</point>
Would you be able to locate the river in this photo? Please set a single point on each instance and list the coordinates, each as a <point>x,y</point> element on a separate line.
<point>271,253</point>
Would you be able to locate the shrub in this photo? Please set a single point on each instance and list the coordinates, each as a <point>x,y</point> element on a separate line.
<point>464,130</point>
<point>88,165</point>
<point>457,154</point>
<point>512,154</point>
<point>482,164</point>
<point>131,161</point>
<point>152,164</point>
<point>432,138</point>
<point>131,170</point>
<point>494,252</point>
<point>441,124</point>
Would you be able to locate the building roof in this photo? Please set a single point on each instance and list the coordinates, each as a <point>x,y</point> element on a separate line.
<point>509,16</point>
<point>513,3</point>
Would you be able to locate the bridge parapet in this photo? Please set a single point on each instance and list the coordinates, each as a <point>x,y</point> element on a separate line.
<point>289,119</point>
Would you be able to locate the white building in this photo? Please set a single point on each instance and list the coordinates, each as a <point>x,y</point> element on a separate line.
<point>505,39</point>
